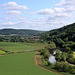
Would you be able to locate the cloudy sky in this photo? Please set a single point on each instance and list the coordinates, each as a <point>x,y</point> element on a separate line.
<point>36,14</point>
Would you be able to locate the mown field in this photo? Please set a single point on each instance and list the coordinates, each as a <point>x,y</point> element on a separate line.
<point>21,46</point>
<point>21,64</point>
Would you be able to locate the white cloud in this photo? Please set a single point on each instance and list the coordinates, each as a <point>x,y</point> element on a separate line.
<point>66,3</point>
<point>45,12</point>
<point>9,23</point>
<point>21,18</point>
<point>60,10</point>
<point>13,12</point>
<point>6,18</point>
<point>10,4</point>
<point>14,6</point>
<point>61,3</point>
<point>69,5</point>
<point>51,18</point>
<point>57,17</point>
<point>63,16</point>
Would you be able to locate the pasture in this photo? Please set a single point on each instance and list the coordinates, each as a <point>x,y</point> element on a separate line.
<point>21,64</point>
<point>21,46</point>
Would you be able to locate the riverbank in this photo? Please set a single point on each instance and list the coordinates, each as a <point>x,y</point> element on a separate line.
<point>38,62</point>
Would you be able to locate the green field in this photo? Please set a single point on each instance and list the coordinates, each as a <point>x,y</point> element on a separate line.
<point>21,46</point>
<point>21,64</point>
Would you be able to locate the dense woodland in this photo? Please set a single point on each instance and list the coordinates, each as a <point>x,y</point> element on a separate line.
<point>62,39</point>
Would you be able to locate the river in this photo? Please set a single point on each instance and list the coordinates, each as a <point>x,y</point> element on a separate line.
<point>52,58</point>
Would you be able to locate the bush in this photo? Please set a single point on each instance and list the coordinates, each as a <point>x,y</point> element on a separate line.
<point>44,62</point>
<point>68,49</point>
<point>42,52</point>
<point>72,71</point>
<point>71,60</point>
<point>64,67</point>
<point>46,54</point>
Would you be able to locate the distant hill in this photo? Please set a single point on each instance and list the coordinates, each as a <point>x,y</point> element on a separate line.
<point>22,32</point>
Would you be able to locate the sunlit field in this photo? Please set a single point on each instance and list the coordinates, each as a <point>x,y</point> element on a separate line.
<point>21,46</point>
<point>21,64</point>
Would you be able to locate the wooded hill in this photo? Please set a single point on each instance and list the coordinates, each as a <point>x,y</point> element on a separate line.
<point>22,32</point>
<point>63,37</point>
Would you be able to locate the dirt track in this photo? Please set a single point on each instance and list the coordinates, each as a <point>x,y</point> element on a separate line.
<point>43,67</point>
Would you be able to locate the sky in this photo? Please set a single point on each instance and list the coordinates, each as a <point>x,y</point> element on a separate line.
<point>36,14</point>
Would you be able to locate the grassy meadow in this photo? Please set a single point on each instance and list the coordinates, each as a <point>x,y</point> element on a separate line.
<point>21,64</point>
<point>21,46</point>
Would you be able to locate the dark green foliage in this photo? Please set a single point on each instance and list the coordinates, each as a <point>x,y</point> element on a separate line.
<point>46,54</point>
<point>58,55</point>
<point>63,37</point>
<point>64,67</point>
<point>67,49</point>
<point>51,46</point>
<point>69,45</point>
<point>71,60</point>
<point>59,42</point>
<point>63,56</point>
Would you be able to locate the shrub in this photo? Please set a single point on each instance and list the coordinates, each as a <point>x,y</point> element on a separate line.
<point>44,62</point>
<point>46,54</point>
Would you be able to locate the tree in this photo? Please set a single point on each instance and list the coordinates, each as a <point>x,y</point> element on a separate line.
<point>58,55</point>
<point>59,42</point>
<point>46,54</point>
<point>63,56</point>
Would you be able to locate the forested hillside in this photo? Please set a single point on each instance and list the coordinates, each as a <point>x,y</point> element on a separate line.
<point>63,37</point>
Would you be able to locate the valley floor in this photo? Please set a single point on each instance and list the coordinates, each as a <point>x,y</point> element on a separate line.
<point>21,64</point>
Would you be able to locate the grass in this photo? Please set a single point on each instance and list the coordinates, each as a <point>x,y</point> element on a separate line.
<point>21,64</point>
<point>2,35</point>
<point>8,35</point>
<point>21,46</point>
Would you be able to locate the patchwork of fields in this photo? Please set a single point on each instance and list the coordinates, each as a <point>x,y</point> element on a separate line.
<point>21,64</point>
<point>21,46</point>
